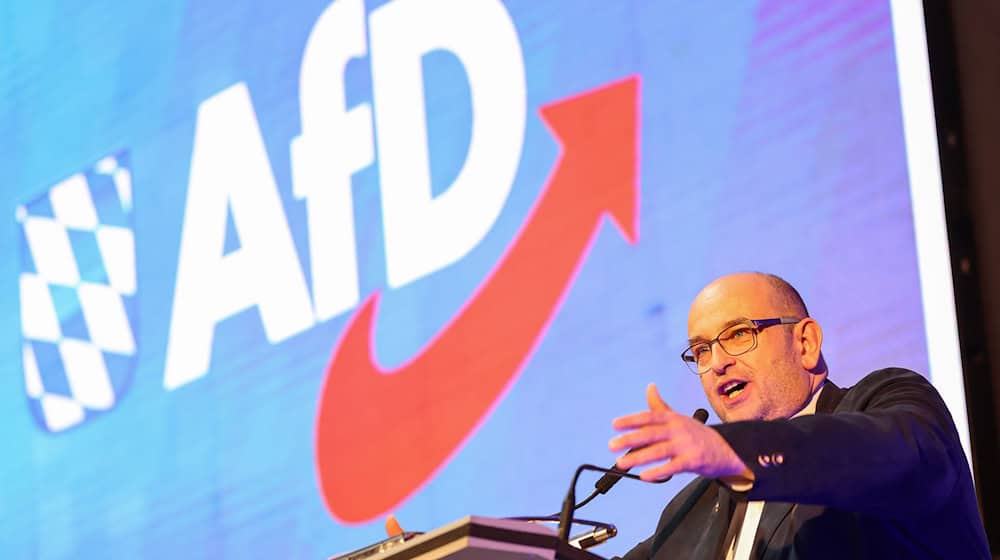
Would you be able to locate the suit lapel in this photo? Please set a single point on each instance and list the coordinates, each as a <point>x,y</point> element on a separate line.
<point>830,398</point>
<point>775,513</point>
<point>697,525</point>
<point>715,532</point>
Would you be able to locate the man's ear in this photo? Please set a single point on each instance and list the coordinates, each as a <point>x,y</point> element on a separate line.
<point>810,339</point>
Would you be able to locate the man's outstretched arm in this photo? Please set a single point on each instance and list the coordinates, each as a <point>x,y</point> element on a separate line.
<point>893,451</point>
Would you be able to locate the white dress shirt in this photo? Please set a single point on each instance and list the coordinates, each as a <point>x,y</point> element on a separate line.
<point>743,544</point>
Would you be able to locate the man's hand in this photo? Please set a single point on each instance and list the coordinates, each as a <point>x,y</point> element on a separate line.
<point>684,443</point>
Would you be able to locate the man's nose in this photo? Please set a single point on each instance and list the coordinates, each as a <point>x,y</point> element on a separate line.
<point>720,360</point>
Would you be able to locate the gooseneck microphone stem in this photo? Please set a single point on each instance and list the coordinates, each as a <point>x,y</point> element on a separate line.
<point>587,500</point>
<point>611,477</point>
<point>566,516</point>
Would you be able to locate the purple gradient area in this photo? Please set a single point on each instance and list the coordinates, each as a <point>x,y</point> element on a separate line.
<point>817,169</point>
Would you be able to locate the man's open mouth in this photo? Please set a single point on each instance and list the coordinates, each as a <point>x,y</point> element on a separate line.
<point>732,388</point>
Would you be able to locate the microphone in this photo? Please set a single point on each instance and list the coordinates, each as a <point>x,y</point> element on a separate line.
<point>613,475</point>
<point>611,478</point>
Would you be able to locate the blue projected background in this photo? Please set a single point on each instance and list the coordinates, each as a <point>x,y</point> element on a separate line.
<point>200,199</point>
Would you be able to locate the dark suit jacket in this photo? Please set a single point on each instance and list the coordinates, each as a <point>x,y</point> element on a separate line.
<point>877,472</point>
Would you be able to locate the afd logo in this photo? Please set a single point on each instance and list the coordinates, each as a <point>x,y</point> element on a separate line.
<point>231,173</point>
<point>432,404</point>
<point>77,291</point>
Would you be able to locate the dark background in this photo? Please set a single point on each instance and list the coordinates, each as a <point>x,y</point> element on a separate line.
<point>964,44</point>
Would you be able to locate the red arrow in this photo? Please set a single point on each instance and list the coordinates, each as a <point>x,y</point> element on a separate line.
<point>381,435</point>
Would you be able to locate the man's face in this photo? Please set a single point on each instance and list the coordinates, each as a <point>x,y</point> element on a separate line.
<point>766,383</point>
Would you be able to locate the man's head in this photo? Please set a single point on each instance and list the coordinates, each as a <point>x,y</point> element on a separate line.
<point>779,375</point>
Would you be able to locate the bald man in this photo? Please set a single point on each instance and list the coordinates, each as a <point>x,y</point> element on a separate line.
<point>800,468</point>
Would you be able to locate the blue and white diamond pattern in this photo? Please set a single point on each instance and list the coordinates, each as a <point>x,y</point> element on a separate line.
<point>77,286</point>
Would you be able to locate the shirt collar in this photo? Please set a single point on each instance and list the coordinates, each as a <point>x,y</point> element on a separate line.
<point>810,407</point>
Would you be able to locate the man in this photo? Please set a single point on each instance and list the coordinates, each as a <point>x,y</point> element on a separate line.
<point>800,468</point>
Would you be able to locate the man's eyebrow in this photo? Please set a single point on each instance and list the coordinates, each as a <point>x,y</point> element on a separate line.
<point>728,324</point>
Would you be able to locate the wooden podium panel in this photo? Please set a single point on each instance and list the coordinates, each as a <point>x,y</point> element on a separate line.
<point>487,538</point>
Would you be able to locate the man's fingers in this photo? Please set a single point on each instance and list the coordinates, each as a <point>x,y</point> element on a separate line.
<point>392,527</point>
<point>654,400</point>
<point>646,435</point>
<point>664,471</point>
<point>646,455</point>
<point>640,419</point>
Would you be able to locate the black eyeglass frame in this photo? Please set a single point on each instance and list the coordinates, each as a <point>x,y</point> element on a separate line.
<point>758,325</point>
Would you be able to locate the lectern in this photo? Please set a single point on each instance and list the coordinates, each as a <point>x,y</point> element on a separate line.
<point>486,538</point>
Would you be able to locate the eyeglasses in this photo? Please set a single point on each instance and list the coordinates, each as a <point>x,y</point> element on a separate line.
<point>734,340</point>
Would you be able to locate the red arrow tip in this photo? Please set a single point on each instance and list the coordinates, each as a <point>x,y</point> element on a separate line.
<point>601,125</point>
